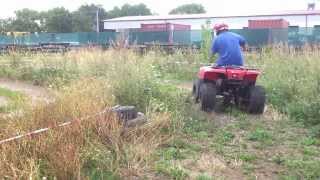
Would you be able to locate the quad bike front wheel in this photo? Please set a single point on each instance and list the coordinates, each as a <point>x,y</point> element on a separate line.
<point>207,93</point>
<point>257,100</point>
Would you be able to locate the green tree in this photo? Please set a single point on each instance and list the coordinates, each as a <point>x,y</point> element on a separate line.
<point>58,20</point>
<point>84,19</point>
<point>189,9</point>
<point>129,10</point>
<point>26,20</point>
<point>5,25</point>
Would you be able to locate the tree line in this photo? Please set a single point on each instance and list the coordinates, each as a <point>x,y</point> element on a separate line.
<point>81,20</point>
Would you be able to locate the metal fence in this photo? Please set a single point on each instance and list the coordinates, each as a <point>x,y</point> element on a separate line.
<point>80,38</point>
<point>293,36</point>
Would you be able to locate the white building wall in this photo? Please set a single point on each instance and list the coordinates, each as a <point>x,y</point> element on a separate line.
<point>234,23</point>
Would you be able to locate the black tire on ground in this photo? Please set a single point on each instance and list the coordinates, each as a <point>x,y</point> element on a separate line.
<point>195,90</point>
<point>257,100</point>
<point>208,93</point>
<point>126,113</point>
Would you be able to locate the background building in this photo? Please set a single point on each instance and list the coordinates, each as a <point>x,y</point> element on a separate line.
<point>305,18</point>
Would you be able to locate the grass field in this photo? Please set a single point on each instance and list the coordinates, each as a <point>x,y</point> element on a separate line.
<point>13,100</point>
<point>179,141</point>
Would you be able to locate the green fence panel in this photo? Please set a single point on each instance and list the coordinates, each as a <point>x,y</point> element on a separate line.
<point>82,37</point>
<point>277,36</point>
<point>4,40</point>
<point>149,37</point>
<point>71,38</point>
<point>182,37</point>
<point>316,34</point>
<point>106,38</point>
<point>293,36</point>
<point>300,36</point>
<point>32,39</point>
<point>254,37</point>
<point>103,38</point>
<point>47,38</point>
<point>196,37</point>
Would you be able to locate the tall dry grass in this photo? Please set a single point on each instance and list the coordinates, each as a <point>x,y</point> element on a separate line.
<point>97,147</point>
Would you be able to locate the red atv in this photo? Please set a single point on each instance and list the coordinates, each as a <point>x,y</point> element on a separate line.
<point>232,83</point>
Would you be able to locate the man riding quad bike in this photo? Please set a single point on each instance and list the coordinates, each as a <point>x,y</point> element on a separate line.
<point>228,78</point>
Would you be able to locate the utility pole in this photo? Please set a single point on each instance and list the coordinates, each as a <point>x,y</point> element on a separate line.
<point>98,22</point>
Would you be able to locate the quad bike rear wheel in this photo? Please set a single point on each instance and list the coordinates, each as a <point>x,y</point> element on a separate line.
<point>195,90</point>
<point>257,100</point>
<point>207,93</point>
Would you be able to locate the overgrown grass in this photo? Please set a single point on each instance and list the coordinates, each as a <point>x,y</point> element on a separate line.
<point>98,148</point>
<point>93,147</point>
<point>291,78</point>
<point>177,67</point>
<point>15,100</point>
<point>292,81</point>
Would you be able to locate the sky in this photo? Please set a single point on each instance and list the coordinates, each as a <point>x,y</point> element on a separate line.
<point>214,7</point>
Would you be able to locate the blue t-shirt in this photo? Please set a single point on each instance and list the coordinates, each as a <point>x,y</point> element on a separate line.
<point>227,45</point>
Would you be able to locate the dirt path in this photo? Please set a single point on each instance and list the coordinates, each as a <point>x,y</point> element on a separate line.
<point>221,119</point>
<point>185,85</point>
<point>36,93</point>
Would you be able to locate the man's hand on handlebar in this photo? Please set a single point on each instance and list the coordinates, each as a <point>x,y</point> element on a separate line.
<point>243,47</point>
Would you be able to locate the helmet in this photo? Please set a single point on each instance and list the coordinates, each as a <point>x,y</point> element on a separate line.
<point>220,27</point>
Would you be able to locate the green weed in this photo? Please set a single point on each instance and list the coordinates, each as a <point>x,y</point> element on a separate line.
<point>247,157</point>
<point>309,141</point>
<point>204,177</point>
<point>16,99</point>
<point>278,159</point>
<point>310,151</point>
<point>171,153</point>
<point>289,177</point>
<point>260,135</point>
<point>304,168</point>
<point>227,136</point>
<point>182,144</point>
<point>248,168</point>
<point>315,131</point>
<point>173,171</point>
